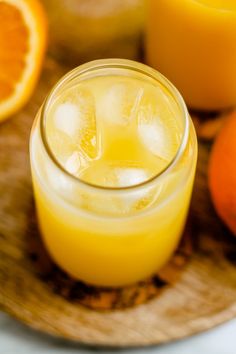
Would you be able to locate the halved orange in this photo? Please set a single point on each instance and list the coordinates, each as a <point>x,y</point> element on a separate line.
<point>23,34</point>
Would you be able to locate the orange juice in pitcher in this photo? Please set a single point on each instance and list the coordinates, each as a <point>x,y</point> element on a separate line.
<point>193,43</point>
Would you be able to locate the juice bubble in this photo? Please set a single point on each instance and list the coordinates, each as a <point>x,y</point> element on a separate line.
<point>119,102</point>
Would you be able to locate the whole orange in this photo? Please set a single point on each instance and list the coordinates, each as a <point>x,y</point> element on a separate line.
<point>222,173</point>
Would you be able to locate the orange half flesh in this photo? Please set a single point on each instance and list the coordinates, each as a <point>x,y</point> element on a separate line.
<point>23,34</point>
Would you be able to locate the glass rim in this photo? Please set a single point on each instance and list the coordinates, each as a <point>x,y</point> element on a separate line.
<point>113,64</point>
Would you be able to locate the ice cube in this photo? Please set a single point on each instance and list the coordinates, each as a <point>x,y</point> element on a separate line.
<point>61,145</point>
<point>113,176</point>
<point>67,118</point>
<point>58,181</point>
<point>130,176</point>
<point>76,163</point>
<point>134,199</point>
<point>103,204</point>
<point>122,203</point>
<point>154,137</point>
<point>158,126</point>
<point>73,163</point>
<point>118,104</point>
<point>75,117</point>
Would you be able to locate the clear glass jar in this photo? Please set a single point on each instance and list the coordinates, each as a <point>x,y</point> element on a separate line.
<point>83,30</point>
<point>95,241</point>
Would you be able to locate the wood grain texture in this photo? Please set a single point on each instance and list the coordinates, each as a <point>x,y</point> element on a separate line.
<point>194,292</point>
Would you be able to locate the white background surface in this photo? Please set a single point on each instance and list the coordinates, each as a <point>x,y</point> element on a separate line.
<point>15,338</point>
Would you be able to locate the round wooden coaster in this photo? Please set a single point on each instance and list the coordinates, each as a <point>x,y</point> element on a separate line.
<point>194,292</point>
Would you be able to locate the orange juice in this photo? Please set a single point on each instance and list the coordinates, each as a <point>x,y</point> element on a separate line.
<point>113,156</point>
<point>193,43</point>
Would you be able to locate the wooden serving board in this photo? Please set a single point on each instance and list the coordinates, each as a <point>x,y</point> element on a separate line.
<point>194,292</point>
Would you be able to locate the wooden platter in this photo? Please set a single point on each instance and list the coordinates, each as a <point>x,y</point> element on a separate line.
<point>194,292</point>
